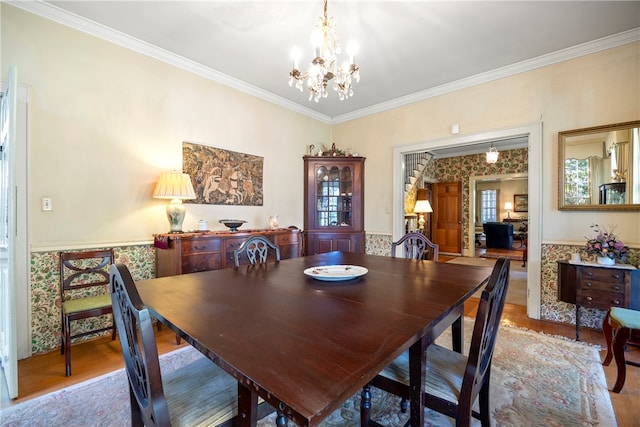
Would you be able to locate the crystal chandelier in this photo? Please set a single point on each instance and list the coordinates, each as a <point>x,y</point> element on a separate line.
<point>324,66</point>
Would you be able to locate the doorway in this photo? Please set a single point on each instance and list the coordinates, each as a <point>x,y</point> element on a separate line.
<point>534,134</point>
<point>15,339</point>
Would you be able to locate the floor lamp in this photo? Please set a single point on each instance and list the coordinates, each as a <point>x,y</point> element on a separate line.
<point>422,207</point>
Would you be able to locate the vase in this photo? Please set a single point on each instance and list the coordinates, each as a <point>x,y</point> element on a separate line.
<point>605,260</point>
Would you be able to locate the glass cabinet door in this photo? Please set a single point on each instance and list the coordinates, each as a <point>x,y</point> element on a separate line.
<point>333,194</point>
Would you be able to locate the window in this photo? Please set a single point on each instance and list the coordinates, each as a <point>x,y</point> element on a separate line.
<point>488,205</point>
<point>576,187</point>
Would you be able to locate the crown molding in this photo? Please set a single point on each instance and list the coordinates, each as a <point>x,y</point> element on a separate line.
<point>54,13</point>
<point>499,73</point>
<point>93,28</point>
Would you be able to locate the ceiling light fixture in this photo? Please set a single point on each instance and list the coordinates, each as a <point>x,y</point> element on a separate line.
<point>324,66</point>
<point>492,154</point>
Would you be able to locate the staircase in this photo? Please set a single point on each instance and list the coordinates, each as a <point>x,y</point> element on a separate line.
<point>415,164</point>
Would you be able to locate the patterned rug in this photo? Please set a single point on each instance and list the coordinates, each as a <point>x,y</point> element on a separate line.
<point>537,380</point>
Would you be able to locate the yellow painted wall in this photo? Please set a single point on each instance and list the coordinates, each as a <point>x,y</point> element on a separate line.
<point>105,121</point>
<point>592,90</point>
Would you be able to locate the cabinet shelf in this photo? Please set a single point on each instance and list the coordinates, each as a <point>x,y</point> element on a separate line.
<point>334,201</point>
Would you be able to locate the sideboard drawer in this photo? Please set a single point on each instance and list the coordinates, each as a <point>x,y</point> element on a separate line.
<point>201,262</point>
<point>286,239</point>
<point>200,245</point>
<point>602,286</point>
<point>603,274</point>
<point>601,299</point>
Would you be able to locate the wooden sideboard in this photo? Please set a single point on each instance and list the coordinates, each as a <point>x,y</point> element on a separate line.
<point>598,286</point>
<point>213,250</point>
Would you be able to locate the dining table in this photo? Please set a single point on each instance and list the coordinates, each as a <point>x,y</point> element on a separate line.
<point>305,334</point>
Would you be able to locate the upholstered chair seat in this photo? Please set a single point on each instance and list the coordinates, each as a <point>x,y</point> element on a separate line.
<point>194,402</point>
<point>445,371</point>
<point>86,304</point>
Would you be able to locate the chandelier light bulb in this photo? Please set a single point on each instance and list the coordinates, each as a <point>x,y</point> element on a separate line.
<point>296,54</point>
<point>352,49</point>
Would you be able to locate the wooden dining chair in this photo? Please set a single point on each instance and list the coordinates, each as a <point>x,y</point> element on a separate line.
<point>416,246</point>
<point>84,293</point>
<point>454,381</point>
<point>617,327</point>
<point>257,250</point>
<point>199,393</point>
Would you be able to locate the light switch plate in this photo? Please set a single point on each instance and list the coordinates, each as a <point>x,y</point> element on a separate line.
<point>47,204</point>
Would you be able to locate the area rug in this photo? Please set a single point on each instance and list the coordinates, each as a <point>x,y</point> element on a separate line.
<point>517,292</point>
<point>537,380</point>
<point>514,254</point>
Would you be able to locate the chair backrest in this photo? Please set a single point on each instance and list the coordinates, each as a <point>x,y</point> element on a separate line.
<point>416,245</point>
<point>138,342</point>
<point>485,331</point>
<point>257,249</point>
<point>80,271</point>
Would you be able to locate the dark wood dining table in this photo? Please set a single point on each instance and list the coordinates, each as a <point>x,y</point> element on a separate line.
<point>304,345</point>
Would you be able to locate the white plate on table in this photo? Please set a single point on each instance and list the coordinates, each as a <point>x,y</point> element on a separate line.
<point>334,273</point>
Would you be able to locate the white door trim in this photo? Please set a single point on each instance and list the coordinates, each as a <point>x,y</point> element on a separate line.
<point>534,134</point>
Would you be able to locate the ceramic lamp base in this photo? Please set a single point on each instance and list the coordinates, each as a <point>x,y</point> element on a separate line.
<point>175,214</point>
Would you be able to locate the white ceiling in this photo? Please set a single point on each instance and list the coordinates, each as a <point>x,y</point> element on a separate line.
<point>409,50</point>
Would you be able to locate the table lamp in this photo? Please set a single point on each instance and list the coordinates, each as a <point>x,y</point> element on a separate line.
<point>177,187</point>
<point>422,207</point>
<point>508,206</point>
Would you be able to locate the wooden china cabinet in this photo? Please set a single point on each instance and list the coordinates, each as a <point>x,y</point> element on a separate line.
<point>334,204</point>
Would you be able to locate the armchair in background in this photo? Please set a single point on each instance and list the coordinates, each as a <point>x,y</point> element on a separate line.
<point>498,234</point>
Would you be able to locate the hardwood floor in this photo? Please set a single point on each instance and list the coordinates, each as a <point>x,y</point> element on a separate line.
<point>44,373</point>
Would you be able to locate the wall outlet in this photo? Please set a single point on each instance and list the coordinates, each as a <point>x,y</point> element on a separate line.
<point>47,204</point>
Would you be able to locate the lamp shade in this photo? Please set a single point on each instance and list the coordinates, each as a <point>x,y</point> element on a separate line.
<point>508,206</point>
<point>422,206</point>
<point>174,185</point>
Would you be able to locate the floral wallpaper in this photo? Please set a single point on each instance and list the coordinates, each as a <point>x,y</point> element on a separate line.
<point>45,294</point>
<point>45,299</point>
<point>461,168</point>
<point>378,244</point>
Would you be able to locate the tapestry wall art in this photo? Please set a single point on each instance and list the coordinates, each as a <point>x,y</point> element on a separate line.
<point>223,177</point>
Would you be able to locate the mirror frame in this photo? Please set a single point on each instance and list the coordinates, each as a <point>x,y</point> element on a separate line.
<point>561,149</point>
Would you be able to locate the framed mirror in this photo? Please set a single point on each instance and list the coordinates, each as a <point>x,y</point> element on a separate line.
<point>599,168</point>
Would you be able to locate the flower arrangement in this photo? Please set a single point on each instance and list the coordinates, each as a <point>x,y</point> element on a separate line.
<point>606,244</point>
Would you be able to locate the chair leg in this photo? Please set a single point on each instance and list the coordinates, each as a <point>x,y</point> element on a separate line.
<point>63,332</point>
<point>365,405</point>
<point>619,343</point>
<point>404,405</point>
<point>607,330</point>
<point>136,413</point>
<point>483,401</point>
<point>67,346</point>
<point>113,331</point>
